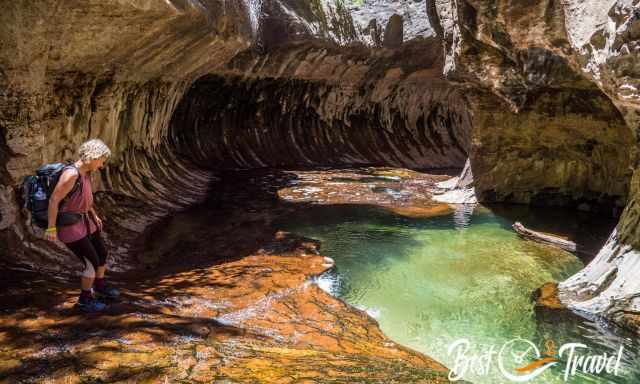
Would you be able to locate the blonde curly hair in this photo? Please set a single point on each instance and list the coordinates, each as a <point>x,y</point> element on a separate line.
<point>93,149</point>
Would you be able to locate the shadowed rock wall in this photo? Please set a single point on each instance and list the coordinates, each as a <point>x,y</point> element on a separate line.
<point>116,70</point>
<point>309,105</point>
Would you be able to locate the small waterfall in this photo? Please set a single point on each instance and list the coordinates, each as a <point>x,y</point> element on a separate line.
<point>254,7</point>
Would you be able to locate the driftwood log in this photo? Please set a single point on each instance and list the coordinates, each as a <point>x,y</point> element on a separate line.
<point>543,238</point>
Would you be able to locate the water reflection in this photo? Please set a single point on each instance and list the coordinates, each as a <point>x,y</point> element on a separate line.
<point>462,215</point>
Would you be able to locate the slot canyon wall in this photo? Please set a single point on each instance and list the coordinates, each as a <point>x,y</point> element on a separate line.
<point>118,71</point>
<point>541,95</point>
<point>310,104</point>
<point>544,132</point>
<point>569,73</point>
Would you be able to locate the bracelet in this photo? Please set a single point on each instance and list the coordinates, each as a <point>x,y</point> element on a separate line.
<point>52,229</point>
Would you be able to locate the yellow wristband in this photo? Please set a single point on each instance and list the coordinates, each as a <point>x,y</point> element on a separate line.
<point>52,229</point>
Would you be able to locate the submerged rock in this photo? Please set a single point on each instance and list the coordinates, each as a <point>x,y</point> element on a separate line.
<point>404,192</point>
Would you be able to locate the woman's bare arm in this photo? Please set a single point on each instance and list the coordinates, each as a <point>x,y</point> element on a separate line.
<point>62,189</point>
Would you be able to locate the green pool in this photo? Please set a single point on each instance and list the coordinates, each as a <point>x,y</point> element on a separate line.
<point>430,282</point>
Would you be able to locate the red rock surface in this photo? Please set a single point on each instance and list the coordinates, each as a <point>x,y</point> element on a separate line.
<point>255,319</point>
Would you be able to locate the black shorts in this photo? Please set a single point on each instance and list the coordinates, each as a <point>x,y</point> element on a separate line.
<point>90,247</point>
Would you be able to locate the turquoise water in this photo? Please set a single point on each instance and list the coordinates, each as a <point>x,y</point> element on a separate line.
<point>430,282</point>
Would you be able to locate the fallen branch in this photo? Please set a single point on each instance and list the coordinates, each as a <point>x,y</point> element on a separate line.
<point>553,241</point>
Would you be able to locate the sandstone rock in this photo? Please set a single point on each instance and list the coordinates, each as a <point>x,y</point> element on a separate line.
<point>457,196</point>
<point>548,306</point>
<point>265,322</point>
<point>547,297</point>
<point>118,70</point>
<point>459,189</point>
<point>606,287</point>
<point>416,24</point>
<point>328,108</point>
<point>516,123</point>
<point>68,75</point>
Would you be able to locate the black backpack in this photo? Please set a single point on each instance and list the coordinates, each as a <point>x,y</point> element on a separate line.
<point>37,189</point>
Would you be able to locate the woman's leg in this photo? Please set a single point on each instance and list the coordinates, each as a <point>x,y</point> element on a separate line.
<point>86,252</point>
<point>99,283</point>
<point>101,251</point>
<point>86,282</point>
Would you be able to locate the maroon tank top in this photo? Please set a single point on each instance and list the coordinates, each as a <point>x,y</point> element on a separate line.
<point>80,201</point>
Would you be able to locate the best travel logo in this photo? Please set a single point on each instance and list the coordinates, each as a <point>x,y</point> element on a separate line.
<point>520,360</point>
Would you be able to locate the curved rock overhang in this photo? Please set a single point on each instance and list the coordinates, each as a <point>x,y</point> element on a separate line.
<point>117,70</point>
<point>309,104</point>
<point>566,146</point>
<point>113,70</point>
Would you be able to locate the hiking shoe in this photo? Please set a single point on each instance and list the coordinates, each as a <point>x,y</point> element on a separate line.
<point>91,305</point>
<point>106,292</point>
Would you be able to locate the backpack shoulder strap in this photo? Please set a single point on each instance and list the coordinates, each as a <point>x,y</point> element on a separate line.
<point>78,184</point>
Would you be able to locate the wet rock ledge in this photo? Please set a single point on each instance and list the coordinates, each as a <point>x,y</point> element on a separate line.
<point>255,319</point>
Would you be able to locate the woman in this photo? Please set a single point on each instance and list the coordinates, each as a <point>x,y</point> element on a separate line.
<point>83,238</point>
